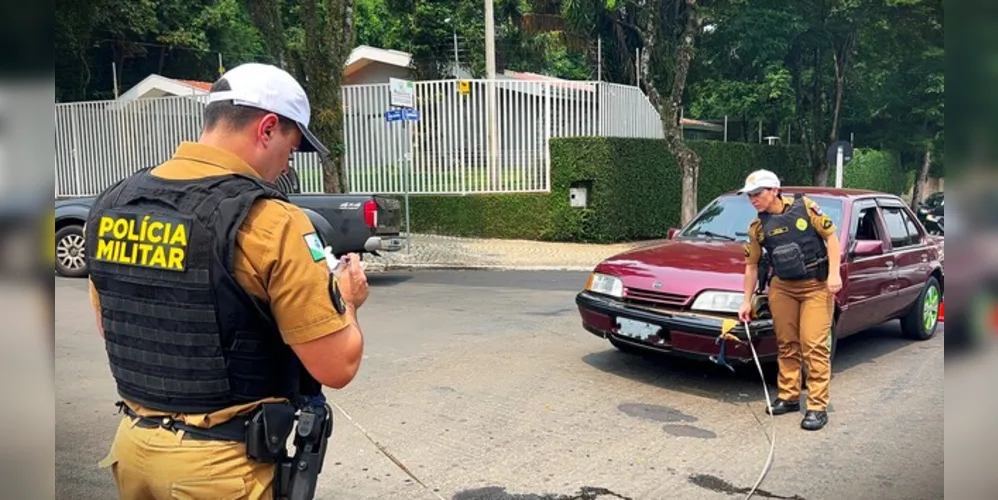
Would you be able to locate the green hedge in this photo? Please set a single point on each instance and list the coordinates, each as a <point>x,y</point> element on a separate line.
<point>634,190</point>
<point>876,170</point>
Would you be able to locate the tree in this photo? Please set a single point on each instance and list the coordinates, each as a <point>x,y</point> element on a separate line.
<point>665,31</point>
<point>899,84</point>
<point>668,34</point>
<point>313,40</point>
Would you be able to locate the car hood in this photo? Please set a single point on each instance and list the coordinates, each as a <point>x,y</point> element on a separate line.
<point>682,267</point>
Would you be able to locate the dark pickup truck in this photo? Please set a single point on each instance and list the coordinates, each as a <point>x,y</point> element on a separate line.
<point>346,222</point>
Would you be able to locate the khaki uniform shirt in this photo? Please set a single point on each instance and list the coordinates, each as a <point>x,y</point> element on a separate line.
<point>821,222</point>
<point>272,262</point>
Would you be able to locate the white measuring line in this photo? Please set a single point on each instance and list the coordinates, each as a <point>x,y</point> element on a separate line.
<point>385,451</point>
<point>769,406</point>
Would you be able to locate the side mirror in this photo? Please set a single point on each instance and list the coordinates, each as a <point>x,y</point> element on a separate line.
<point>868,248</point>
<point>672,232</point>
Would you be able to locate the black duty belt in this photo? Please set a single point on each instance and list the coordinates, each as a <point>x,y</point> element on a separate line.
<point>232,430</point>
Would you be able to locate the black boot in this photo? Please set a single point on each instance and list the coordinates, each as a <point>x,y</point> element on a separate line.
<point>781,406</point>
<point>814,420</point>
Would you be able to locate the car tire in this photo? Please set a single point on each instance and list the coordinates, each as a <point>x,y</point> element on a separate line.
<point>70,257</point>
<point>922,320</point>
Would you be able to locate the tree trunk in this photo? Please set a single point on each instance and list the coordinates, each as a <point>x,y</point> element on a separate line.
<point>841,63</point>
<point>923,174</point>
<point>687,159</point>
<point>329,35</point>
<point>266,15</point>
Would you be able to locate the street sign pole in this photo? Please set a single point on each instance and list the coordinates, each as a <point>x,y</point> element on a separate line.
<point>402,99</point>
<point>838,167</point>
<point>840,153</point>
<point>406,171</point>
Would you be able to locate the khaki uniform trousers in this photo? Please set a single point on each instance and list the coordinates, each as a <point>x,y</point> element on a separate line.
<point>802,319</point>
<point>158,464</point>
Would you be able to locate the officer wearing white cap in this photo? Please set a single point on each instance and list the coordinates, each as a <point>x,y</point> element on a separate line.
<point>220,317</point>
<point>804,253</point>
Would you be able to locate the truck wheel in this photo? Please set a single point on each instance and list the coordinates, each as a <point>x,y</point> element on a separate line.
<point>922,319</point>
<point>70,259</point>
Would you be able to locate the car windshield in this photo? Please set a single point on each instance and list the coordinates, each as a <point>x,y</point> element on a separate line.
<point>728,217</point>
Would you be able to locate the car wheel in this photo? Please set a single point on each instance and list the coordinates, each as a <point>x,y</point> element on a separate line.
<point>70,257</point>
<point>922,319</point>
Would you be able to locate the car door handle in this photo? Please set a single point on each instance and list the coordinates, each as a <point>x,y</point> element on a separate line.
<point>890,264</point>
<point>925,258</point>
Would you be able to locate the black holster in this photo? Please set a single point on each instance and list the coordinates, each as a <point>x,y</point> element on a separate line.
<point>296,479</point>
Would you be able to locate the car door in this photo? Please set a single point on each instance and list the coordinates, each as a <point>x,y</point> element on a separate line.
<point>871,281</point>
<point>910,248</point>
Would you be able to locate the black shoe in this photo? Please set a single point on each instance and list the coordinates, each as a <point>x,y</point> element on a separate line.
<point>814,420</point>
<point>781,406</point>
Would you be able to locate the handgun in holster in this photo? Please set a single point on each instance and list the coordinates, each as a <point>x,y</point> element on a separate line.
<point>298,477</point>
<point>295,478</point>
<point>760,301</point>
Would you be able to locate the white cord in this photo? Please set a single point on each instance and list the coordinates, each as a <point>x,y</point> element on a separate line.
<point>769,405</point>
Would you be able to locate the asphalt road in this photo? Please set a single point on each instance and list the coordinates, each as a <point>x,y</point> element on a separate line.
<point>486,387</point>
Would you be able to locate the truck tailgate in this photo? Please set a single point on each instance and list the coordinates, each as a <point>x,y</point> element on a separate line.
<point>389,215</point>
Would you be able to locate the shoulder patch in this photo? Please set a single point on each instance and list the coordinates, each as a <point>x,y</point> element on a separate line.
<point>314,246</point>
<point>814,207</point>
<point>336,296</point>
<point>826,223</point>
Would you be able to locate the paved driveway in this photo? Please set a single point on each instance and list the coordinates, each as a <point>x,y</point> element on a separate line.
<point>486,387</point>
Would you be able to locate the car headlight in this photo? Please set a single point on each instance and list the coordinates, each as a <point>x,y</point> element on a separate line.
<point>606,285</point>
<point>727,302</point>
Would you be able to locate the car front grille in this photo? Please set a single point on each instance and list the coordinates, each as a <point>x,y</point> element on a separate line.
<point>654,299</point>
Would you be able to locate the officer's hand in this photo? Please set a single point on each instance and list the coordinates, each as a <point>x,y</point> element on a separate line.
<point>745,312</point>
<point>352,281</point>
<point>834,282</point>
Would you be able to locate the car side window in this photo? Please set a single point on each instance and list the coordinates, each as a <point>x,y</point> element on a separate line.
<point>866,225</point>
<point>896,227</point>
<point>914,236</point>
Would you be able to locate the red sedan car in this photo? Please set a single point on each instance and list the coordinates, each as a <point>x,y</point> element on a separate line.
<point>675,297</point>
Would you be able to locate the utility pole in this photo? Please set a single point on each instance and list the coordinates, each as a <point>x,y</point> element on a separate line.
<point>490,88</point>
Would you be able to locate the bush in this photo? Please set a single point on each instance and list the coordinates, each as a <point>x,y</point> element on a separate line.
<point>634,189</point>
<point>876,170</point>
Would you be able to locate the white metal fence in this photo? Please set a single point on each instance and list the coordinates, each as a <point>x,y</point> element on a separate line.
<point>450,150</point>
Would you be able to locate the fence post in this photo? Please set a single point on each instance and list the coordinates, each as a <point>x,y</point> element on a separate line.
<point>547,135</point>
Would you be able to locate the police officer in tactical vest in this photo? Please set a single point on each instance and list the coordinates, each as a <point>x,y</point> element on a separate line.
<point>803,252</point>
<point>220,315</point>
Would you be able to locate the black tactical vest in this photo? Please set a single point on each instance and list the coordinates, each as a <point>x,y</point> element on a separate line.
<point>181,333</point>
<point>795,248</point>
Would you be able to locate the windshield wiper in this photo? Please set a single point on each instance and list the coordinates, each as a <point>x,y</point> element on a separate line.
<point>715,235</point>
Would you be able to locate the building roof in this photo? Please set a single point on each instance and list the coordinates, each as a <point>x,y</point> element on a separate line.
<point>363,55</point>
<point>206,86</point>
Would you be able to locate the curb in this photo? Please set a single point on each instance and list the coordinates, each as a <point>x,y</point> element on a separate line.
<point>480,267</point>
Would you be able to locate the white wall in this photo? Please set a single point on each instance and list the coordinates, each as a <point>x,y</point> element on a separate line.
<point>376,72</point>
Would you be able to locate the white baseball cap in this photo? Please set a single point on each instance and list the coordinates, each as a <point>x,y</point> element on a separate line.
<point>272,89</point>
<point>759,180</point>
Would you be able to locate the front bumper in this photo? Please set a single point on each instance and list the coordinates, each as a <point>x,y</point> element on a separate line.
<point>685,334</point>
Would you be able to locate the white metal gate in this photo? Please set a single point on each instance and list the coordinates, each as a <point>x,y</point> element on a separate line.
<point>99,142</point>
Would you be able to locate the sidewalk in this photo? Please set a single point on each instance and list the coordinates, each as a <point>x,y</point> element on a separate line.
<point>449,252</point>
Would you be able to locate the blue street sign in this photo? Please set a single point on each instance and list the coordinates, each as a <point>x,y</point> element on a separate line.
<point>408,114</point>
